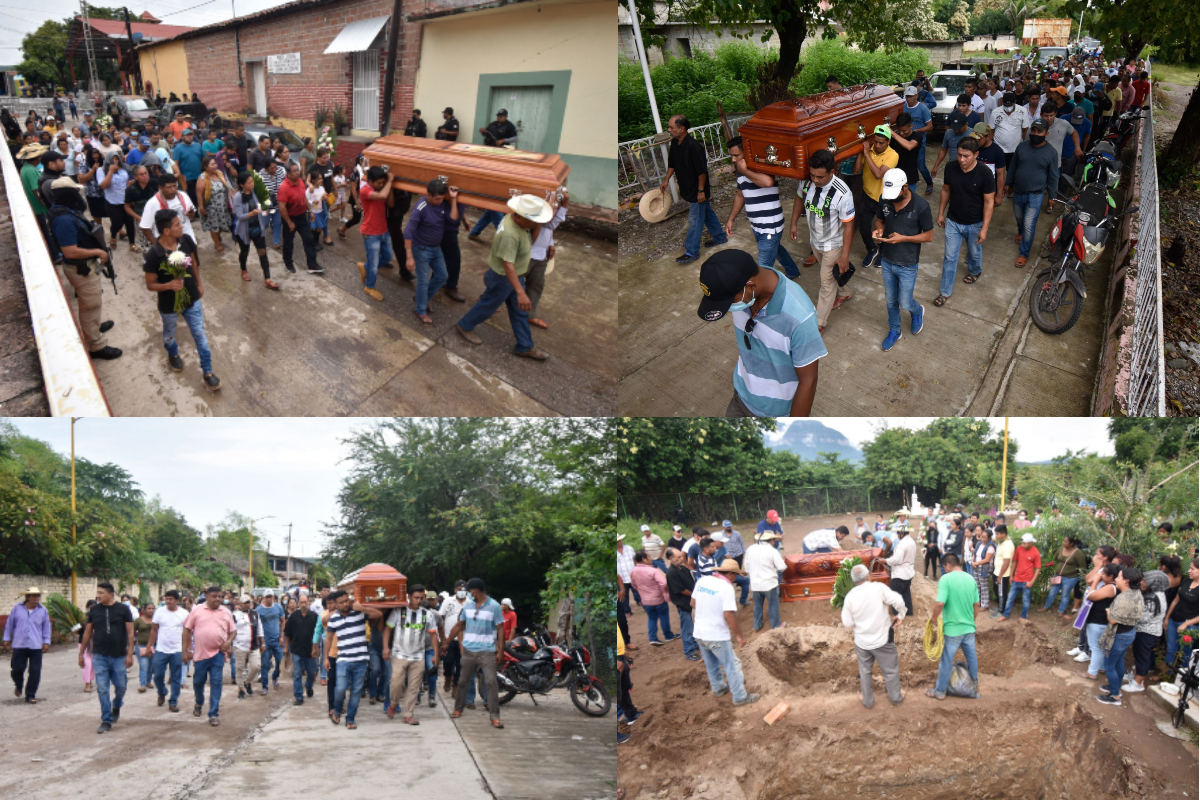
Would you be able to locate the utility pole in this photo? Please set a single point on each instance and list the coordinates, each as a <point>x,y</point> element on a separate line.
<point>641,50</point>
<point>1004,470</point>
<point>135,71</point>
<point>389,73</point>
<point>289,555</point>
<point>91,52</point>
<point>74,598</point>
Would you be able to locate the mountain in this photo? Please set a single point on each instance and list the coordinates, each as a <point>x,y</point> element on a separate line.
<point>807,437</point>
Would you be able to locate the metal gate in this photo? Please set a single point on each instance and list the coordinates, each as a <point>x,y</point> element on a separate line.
<point>528,109</point>
<point>366,90</point>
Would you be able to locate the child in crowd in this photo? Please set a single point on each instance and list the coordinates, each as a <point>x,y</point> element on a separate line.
<point>318,213</point>
<point>340,190</point>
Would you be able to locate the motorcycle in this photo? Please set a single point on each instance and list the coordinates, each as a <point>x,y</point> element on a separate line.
<point>1076,242</point>
<point>1123,126</point>
<point>534,665</point>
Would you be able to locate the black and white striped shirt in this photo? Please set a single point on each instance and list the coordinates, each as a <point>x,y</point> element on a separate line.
<point>763,208</point>
<point>351,630</point>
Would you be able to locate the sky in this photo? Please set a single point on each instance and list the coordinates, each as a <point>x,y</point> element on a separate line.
<point>194,13</point>
<point>287,468</point>
<point>1040,438</point>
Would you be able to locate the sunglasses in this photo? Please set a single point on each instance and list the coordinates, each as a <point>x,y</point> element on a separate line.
<point>749,329</point>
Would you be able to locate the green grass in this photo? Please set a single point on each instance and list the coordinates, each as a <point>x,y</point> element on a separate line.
<point>1178,74</point>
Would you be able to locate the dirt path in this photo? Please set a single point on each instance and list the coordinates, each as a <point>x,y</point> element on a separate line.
<point>1036,732</point>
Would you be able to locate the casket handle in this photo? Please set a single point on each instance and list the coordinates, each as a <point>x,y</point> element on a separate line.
<point>773,159</point>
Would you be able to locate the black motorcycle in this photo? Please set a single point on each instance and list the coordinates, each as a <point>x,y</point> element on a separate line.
<point>533,665</point>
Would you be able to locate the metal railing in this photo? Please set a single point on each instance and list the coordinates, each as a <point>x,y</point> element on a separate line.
<point>646,167</point>
<point>1147,394</point>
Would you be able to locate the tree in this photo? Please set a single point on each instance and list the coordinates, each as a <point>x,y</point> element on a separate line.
<point>990,23</point>
<point>1017,13</point>
<point>959,22</point>
<point>1139,440</point>
<point>692,455</point>
<point>43,52</point>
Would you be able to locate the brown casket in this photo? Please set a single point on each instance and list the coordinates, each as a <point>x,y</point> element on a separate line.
<point>780,138</point>
<point>811,575</point>
<point>486,177</point>
<point>377,586</point>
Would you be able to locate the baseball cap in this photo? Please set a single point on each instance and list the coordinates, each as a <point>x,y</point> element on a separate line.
<point>1039,124</point>
<point>719,536</point>
<point>269,593</point>
<point>883,130</point>
<point>507,602</point>
<point>981,130</point>
<point>1027,538</point>
<point>726,524</point>
<point>957,119</point>
<point>676,528</point>
<point>893,183</point>
<point>502,112</point>
<point>645,527</point>
<point>722,280</point>
<point>910,91</point>
<point>144,140</point>
<point>1098,87</point>
<point>476,583</point>
<point>772,515</point>
<point>1078,115</point>
<point>1009,98</point>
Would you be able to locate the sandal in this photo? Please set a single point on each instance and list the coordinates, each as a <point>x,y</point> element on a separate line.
<point>335,719</point>
<point>328,240</point>
<point>537,323</point>
<point>134,248</point>
<point>971,278</point>
<point>270,284</point>
<point>428,320</point>
<point>497,723</point>
<point>342,234</point>
<point>411,721</point>
<point>455,714</point>
<point>933,693</point>
<point>245,276</point>
<point>940,300</point>
<point>196,711</point>
<point>1021,261</point>
<point>810,261</point>
<point>216,723</point>
<point>220,247</point>
<point>350,726</point>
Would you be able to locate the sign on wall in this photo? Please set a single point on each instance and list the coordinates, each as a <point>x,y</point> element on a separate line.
<point>284,64</point>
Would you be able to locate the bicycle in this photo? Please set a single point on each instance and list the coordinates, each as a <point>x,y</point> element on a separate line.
<point>1188,682</point>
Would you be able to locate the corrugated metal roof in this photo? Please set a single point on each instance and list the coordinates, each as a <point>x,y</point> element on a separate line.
<point>358,36</point>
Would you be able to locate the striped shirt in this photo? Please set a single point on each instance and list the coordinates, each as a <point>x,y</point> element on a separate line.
<point>785,337</point>
<point>763,208</point>
<point>479,632</point>
<point>351,630</point>
<point>272,181</point>
<point>827,209</point>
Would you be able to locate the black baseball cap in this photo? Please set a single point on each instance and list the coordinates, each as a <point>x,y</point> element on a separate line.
<point>957,120</point>
<point>1040,124</point>
<point>1009,98</point>
<point>722,279</point>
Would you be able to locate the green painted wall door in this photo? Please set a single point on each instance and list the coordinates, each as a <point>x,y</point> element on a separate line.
<point>528,109</point>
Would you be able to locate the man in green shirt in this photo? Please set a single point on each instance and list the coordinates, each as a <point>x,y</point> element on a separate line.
<point>957,603</point>
<point>29,156</point>
<point>504,283</point>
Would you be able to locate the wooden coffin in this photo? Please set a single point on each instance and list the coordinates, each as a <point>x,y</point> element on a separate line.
<point>377,586</point>
<point>486,177</point>
<point>779,139</point>
<point>811,576</point>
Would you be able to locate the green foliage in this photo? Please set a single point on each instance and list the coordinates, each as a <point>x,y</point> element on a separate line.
<point>990,23</point>
<point>1124,27</point>
<point>693,455</point>
<point>584,573</point>
<point>853,67</point>
<point>64,614</point>
<point>1138,440</point>
<point>843,583</point>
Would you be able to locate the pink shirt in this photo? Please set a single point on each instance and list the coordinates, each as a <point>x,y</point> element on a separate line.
<point>651,584</point>
<point>210,630</point>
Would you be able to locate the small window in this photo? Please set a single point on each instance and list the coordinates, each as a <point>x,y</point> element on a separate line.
<point>684,46</point>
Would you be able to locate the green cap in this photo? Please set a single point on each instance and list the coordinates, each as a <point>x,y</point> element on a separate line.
<point>884,131</point>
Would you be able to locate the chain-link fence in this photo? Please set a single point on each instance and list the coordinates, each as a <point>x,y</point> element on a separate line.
<point>702,509</point>
<point>1147,395</point>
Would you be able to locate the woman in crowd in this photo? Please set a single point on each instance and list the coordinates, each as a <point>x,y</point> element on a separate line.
<point>307,156</point>
<point>1124,613</point>
<point>1181,615</point>
<point>983,557</point>
<point>1102,592</point>
<point>1072,563</point>
<point>89,177</point>
<point>248,228</point>
<point>141,629</point>
<point>1149,628</point>
<point>213,200</point>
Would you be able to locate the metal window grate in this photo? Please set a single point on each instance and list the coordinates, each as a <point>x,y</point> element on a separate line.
<point>650,163</point>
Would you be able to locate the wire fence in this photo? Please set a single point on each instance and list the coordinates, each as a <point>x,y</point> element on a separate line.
<point>642,166</point>
<point>702,509</point>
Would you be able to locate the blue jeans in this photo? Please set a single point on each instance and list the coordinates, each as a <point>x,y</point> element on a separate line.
<point>659,564</point>
<point>701,215</point>
<point>275,651</point>
<point>145,674</point>
<point>300,666</point>
<point>1026,592</point>
<point>431,274</point>
<point>744,582</point>
<point>1173,645</point>
<point>194,317</point>
<point>898,283</point>
<point>967,568</point>
<point>806,549</point>
<point>955,234</point>
<point>210,667</point>
<point>1027,208</point>
<point>656,615</point>
<point>953,643</point>
<point>771,598</point>
<point>1114,662</point>
<point>499,292</point>
<point>431,681</point>
<point>685,629</point>
<point>493,218</point>
<point>1065,588</point>
<point>233,665</point>
<point>718,657</point>
<point>1094,631</point>
<point>921,166</point>
<point>276,223</point>
<point>379,251</point>
<point>381,676</point>
<point>159,665</point>
<point>350,677</point>
<point>109,670</point>
<point>770,249</point>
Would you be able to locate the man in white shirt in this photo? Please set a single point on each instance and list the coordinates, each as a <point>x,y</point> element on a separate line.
<point>825,540</point>
<point>247,643</point>
<point>991,97</point>
<point>971,89</point>
<point>169,196</point>
<point>653,545</point>
<point>451,607</point>
<point>865,609</point>
<point>166,647</point>
<point>714,610</point>
<point>763,565</point>
<point>1010,125</point>
<point>902,562</point>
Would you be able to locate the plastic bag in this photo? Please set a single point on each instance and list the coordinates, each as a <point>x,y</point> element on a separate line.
<point>961,684</point>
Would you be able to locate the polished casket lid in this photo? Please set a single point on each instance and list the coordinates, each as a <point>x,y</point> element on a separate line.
<point>363,583</point>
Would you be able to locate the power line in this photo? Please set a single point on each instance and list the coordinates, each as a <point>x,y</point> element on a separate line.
<point>180,11</point>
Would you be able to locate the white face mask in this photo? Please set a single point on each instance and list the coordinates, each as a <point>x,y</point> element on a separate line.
<point>740,306</point>
<point>461,595</point>
<point>1009,109</point>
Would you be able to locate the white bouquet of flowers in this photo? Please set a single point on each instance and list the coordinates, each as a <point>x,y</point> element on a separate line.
<point>327,139</point>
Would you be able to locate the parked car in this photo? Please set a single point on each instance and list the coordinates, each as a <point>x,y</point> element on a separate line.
<point>947,86</point>
<point>130,108</point>
<point>166,114</point>
<point>294,143</point>
<point>1047,53</point>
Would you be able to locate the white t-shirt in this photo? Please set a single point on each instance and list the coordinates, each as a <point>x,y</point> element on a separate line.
<point>316,606</point>
<point>170,629</point>
<point>827,210</point>
<point>451,607</point>
<point>763,564</point>
<point>825,537</point>
<point>714,596</point>
<point>1008,127</point>
<point>316,199</point>
<point>977,104</point>
<point>180,203</point>
<point>241,639</point>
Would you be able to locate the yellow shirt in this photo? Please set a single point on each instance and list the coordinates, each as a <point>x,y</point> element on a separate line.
<point>1115,97</point>
<point>872,185</point>
<point>620,643</point>
<point>1005,551</point>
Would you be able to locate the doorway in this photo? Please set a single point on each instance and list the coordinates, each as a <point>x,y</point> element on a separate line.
<point>258,77</point>
<point>528,110</point>
<point>366,90</point>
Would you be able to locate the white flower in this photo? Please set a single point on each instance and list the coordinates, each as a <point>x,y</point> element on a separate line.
<point>176,258</point>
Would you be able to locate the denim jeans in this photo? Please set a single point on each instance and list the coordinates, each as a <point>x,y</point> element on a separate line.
<point>350,677</point>
<point>744,582</point>
<point>233,664</point>
<point>807,550</point>
<point>955,234</point>
<point>483,692</point>
<point>898,283</point>
<point>1114,662</point>
<point>379,251</point>
<point>499,292</point>
<point>953,643</point>
<point>302,665</point>
<point>275,221</point>
<point>210,667</point>
<point>452,663</point>
<point>431,681</point>
<point>1027,208</point>
<point>145,674</point>
<point>1026,592</point>
<point>770,249</point>
<point>771,599</point>
<point>701,215</point>
<point>659,614</point>
<point>159,665</point>
<point>1094,631</point>
<point>273,651</point>
<point>110,670</point>
<point>1174,645</point>
<point>194,317</point>
<point>922,167</point>
<point>659,564</point>
<point>380,676</point>
<point>431,274</point>
<point>685,629</point>
<point>1065,588</point>
<point>493,218</point>
<point>718,657</point>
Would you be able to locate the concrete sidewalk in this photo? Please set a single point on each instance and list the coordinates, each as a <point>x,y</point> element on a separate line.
<point>978,354</point>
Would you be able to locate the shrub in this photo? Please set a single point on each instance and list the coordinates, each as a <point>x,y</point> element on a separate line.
<point>852,67</point>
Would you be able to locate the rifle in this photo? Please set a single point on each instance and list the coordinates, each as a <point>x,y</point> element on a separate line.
<point>106,268</point>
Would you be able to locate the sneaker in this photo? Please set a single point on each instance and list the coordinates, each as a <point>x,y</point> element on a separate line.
<point>176,363</point>
<point>1083,657</point>
<point>872,259</point>
<point>630,720</point>
<point>372,293</point>
<point>290,268</point>
<point>105,327</point>
<point>678,636</point>
<point>656,643</point>
<point>1133,687</point>
<point>1108,699</point>
<point>715,243</point>
<point>1074,651</point>
<point>316,269</point>
<point>241,694</point>
<point>686,259</point>
<point>533,353</point>
<point>693,657</point>
<point>104,728</point>
<point>309,691</point>
<point>212,382</point>
<point>622,738</point>
<point>106,354</point>
<point>890,341</point>
<point>750,698</point>
<point>722,692</point>
<point>299,701</point>
<point>918,321</point>
<point>432,702</point>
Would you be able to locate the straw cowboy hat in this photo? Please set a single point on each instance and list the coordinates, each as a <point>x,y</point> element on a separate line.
<point>31,590</point>
<point>729,565</point>
<point>531,207</point>
<point>767,536</point>
<point>31,151</point>
<point>654,205</point>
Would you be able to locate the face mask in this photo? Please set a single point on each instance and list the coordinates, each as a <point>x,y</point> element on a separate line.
<point>1035,140</point>
<point>1008,109</point>
<point>461,595</point>
<point>739,306</point>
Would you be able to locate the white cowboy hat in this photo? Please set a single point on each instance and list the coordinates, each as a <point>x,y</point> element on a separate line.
<point>531,207</point>
<point>766,535</point>
<point>654,205</point>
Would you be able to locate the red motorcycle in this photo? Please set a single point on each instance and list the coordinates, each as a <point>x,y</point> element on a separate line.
<point>534,665</point>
